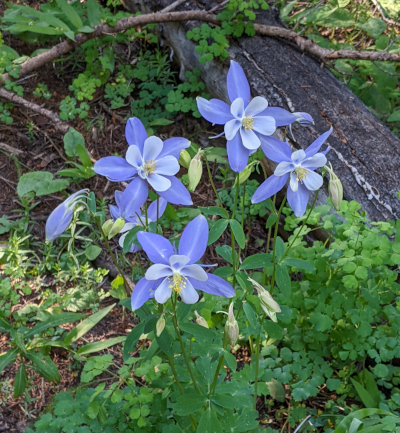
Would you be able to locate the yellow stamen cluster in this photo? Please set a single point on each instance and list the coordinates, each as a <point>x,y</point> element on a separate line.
<point>149,167</point>
<point>301,174</point>
<point>248,123</point>
<point>177,283</point>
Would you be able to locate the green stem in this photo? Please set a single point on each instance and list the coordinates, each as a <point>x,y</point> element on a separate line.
<point>268,239</point>
<point>301,228</point>
<point>257,362</point>
<point>234,267</point>
<point>178,383</point>
<point>145,210</point>
<point>127,288</point>
<point>273,247</point>
<point>178,333</point>
<point>242,222</point>
<point>220,362</point>
<point>215,190</point>
<point>157,215</point>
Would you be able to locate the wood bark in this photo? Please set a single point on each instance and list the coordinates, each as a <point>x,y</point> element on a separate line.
<point>364,153</point>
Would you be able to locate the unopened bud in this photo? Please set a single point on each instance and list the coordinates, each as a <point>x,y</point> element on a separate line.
<point>243,176</point>
<point>184,158</point>
<point>267,303</point>
<point>201,320</point>
<point>232,327</point>
<point>335,188</point>
<point>160,325</point>
<point>195,171</point>
<point>116,227</point>
<point>107,227</point>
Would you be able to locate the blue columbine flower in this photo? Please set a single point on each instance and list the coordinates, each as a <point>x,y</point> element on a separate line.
<point>148,161</point>
<point>140,220</point>
<point>61,217</point>
<point>299,166</point>
<point>177,272</point>
<point>247,123</point>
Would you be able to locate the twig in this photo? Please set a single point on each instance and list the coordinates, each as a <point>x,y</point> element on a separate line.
<point>387,72</point>
<point>12,97</point>
<point>388,20</point>
<point>218,7</point>
<point>11,149</point>
<point>308,13</point>
<point>8,182</point>
<point>172,6</point>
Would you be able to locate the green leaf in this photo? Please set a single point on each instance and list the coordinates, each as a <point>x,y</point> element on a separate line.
<point>86,325</point>
<point>161,122</point>
<point>5,325</point>
<point>93,9</point>
<point>131,340</point>
<point>93,409</point>
<point>283,280</point>
<point>44,366</point>
<point>41,182</point>
<point>131,238</point>
<point>8,358</point>
<point>394,117</point>
<point>273,329</point>
<point>279,248</point>
<point>83,156</point>
<point>250,314</point>
<point>189,403</point>
<point>238,233</point>
<point>226,401</point>
<point>20,28</point>
<point>364,395</point>
<point>209,423</point>
<point>72,139</point>
<point>276,390</point>
<point>256,261</point>
<point>226,253</point>
<point>212,210</point>
<point>70,12</point>
<point>165,343</point>
<point>372,387</point>
<point>100,345</point>
<point>92,252</point>
<point>374,27</point>
<point>271,220</point>
<point>217,229</point>
<point>197,330</point>
<point>53,321</point>
<point>381,370</point>
<point>298,263</point>
<point>85,29</point>
<point>246,421</point>
<point>344,425</point>
<point>20,381</point>
<point>230,360</point>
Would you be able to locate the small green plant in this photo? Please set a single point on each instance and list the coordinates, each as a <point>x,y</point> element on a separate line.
<point>42,91</point>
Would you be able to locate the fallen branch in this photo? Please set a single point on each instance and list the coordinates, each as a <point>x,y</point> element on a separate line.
<point>127,23</point>
<point>59,125</point>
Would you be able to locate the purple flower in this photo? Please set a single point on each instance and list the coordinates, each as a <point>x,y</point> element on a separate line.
<point>61,217</point>
<point>299,166</point>
<point>177,272</point>
<point>247,123</point>
<point>148,161</point>
<point>140,220</point>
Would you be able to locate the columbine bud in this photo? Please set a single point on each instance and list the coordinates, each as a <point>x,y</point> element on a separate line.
<point>335,188</point>
<point>116,227</point>
<point>201,320</point>
<point>107,227</point>
<point>267,303</point>
<point>184,158</point>
<point>243,176</point>
<point>160,325</point>
<point>232,327</point>
<point>195,171</point>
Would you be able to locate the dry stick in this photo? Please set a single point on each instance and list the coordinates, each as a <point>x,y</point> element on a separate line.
<point>12,97</point>
<point>159,17</point>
